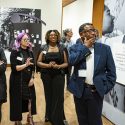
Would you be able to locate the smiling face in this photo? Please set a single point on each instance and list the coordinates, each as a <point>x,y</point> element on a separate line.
<point>108,21</point>
<point>53,37</point>
<point>24,41</point>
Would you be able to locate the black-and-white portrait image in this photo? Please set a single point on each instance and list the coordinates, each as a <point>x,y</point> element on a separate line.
<point>113,20</point>
<point>117,97</point>
<point>113,34</point>
<point>17,20</point>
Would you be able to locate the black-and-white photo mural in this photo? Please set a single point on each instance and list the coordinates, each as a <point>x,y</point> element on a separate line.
<point>17,20</point>
<point>113,34</point>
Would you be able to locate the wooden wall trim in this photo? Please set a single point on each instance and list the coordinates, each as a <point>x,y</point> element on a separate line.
<point>67,2</point>
<point>97,16</point>
<point>8,65</point>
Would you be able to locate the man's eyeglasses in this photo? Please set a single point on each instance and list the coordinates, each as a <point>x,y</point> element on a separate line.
<point>90,30</point>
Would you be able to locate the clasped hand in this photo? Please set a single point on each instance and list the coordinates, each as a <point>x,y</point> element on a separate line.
<point>53,64</point>
<point>28,62</point>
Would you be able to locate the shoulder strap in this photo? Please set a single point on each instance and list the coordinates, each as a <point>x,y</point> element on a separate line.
<point>44,48</point>
<point>61,50</point>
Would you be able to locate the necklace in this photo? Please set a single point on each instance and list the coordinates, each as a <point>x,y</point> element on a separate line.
<point>52,47</point>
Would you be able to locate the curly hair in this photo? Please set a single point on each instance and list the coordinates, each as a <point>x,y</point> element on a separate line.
<point>48,34</point>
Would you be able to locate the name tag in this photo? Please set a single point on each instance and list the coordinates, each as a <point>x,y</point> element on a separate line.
<point>19,58</point>
<point>82,73</point>
<point>44,52</point>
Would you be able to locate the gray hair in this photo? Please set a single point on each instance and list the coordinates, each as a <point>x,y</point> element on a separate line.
<point>66,31</point>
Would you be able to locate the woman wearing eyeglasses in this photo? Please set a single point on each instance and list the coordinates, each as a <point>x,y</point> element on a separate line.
<point>22,91</point>
<point>53,60</point>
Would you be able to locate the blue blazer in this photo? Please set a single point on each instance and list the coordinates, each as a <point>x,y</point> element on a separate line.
<point>104,76</point>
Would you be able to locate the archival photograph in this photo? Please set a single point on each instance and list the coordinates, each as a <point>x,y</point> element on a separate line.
<point>16,20</point>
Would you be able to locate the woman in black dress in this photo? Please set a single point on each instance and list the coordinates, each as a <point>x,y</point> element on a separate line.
<point>3,87</point>
<point>53,60</point>
<point>22,91</point>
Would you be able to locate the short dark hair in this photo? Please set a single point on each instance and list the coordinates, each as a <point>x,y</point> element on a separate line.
<point>82,27</point>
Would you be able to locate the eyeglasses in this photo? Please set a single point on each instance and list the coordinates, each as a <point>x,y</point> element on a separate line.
<point>90,30</point>
<point>53,35</point>
<point>26,40</point>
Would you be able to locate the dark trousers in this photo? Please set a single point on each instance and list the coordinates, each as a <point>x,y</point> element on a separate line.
<point>54,96</point>
<point>89,108</point>
<point>68,74</point>
<point>0,111</point>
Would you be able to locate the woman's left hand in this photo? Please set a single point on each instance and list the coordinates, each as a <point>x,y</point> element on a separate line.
<point>56,66</point>
<point>28,62</point>
<point>31,82</point>
<point>1,62</point>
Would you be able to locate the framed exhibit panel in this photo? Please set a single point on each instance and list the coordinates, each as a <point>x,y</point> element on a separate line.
<point>17,20</point>
<point>113,35</point>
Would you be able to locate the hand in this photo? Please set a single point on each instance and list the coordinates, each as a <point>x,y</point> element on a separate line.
<point>53,62</point>
<point>31,82</point>
<point>49,65</point>
<point>56,66</point>
<point>89,42</point>
<point>28,62</point>
<point>1,62</point>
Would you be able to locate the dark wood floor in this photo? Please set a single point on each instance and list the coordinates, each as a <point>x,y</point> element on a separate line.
<point>39,118</point>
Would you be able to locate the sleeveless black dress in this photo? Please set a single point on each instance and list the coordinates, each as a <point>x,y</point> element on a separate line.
<point>52,56</point>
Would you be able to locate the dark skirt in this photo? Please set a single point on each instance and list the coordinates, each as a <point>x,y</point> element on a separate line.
<point>26,91</point>
<point>19,97</point>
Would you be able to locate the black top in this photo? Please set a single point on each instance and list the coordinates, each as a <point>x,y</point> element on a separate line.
<point>26,75</point>
<point>3,86</point>
<point>17,105</point>
<point>27,72</point>
<point>52,56</point>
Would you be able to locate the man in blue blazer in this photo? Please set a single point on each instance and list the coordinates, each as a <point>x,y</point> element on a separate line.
<point>94,75</point>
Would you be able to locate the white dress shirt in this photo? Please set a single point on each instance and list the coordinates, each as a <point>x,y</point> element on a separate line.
<point>90,67</point>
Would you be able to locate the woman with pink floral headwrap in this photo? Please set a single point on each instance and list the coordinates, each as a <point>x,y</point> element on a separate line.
<point>22,91</point>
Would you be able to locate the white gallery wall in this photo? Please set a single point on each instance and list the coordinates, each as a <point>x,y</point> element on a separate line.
<point>77,13</point>
<point>51,11</point>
